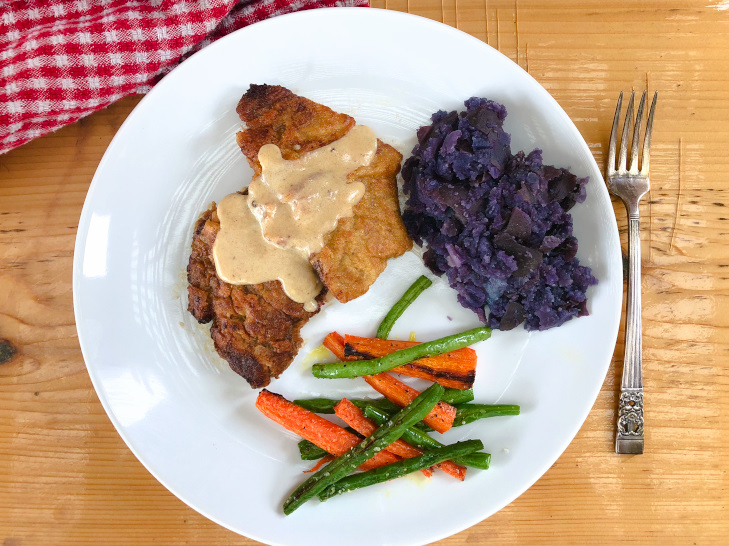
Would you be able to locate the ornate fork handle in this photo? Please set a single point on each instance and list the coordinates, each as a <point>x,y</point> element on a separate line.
<point>630,438</point>
<point>630,184</point>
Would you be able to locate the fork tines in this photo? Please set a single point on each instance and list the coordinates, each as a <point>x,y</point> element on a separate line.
<point>623,160</point>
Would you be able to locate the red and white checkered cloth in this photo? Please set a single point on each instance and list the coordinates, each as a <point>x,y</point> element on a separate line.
<point>61,60</point>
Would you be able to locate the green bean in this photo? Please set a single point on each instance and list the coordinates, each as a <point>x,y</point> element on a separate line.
<point>457,396</point>
<point>475,460</point>
<point>366,449</point>
<point>310,452</point>
<point>383,403</point>
<point>326,405</point>
<point>420,439</point>
<point>400,468</point>
<point>403,303</point>
<point>317,405</point>
<point>412,435</point>
<point>468,413</point>
<point>357,368</point>
<point>451,396</point>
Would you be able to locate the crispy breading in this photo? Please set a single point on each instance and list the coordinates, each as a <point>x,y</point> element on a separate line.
<point>357,250</point>
<point>274,115</point>
<point>255,328</point>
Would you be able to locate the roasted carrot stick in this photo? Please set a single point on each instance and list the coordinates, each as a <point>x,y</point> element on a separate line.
<point>321,462</point>
<point>335,343</point>
<point>325,434</point>
<point>456,369</point>
<point>441,416</point>
<point>353,416</point>
<point>455,470</point>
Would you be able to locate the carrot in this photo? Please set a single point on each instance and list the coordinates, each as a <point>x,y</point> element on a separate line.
<point>455,470</point>
<point>321,462</point>
<point>456,369</point>
<point>325,434</point>
<point>335,343</point>
<point>353,416</point>
<point>439,419</point>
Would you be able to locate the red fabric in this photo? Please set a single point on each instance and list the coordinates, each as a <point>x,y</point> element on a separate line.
<point>61,60</point>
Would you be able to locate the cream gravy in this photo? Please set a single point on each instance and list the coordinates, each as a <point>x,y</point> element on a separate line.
<point>243,256</point>
<point>298,202</point>
<point>270,233</point>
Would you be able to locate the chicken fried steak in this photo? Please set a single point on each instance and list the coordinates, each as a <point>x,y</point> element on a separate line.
<point>256,328</point>
<point>357,250</point>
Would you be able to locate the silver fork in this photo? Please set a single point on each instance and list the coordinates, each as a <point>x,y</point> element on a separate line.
<point>630,185</point>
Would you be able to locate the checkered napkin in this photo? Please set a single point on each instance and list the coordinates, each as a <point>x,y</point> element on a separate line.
<point>61,60</point>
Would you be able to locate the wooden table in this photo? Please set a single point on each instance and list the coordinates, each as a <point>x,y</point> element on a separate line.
<point>66,477</point>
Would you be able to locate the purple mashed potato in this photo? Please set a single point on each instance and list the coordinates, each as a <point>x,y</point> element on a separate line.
<point>495,223</point>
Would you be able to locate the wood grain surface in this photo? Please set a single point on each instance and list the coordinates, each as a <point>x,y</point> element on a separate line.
<point>66,477</point>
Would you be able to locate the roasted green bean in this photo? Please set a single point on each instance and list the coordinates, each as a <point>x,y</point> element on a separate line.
<point>418,438</point>
<point>358,368</point>
<point>401,468</point>
<point>403,303</point>
<point>366,449</point>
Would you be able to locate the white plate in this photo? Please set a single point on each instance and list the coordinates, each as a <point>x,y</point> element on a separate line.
<point>188,418</point>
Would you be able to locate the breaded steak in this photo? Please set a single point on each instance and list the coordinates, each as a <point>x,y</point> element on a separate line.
<point>256,328</point>
<point>356,252</point>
